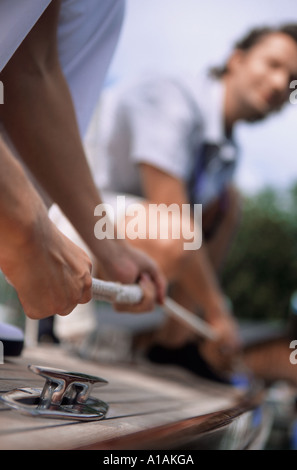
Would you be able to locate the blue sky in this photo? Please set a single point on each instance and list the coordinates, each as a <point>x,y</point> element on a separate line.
<point>190,35</point>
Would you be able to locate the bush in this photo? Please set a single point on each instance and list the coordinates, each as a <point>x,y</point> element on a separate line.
<point>261,271</point>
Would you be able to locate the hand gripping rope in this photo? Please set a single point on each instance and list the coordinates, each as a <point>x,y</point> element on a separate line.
<point>132,294</point>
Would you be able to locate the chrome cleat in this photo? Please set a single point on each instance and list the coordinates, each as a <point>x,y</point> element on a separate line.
<point>65,395</point>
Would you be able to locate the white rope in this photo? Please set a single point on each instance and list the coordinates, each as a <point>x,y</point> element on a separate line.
<point>115,292</point>
<point>132,294</point>
<point>189,319</point>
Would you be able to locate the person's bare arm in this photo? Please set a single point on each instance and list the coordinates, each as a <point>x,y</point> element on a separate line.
<point>198,277</point>
<point>50,274</point>
<point>39,116</point>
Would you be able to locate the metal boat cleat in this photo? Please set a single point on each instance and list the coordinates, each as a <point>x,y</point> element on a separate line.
<point>65,395</point>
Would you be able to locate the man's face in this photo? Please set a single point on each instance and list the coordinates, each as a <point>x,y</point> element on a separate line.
<point>261,76</point>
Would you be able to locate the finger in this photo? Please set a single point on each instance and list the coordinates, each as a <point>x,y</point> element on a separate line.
<point>160,282</point>
<point>86,294</point>
<point>148,301</point>
<point>67,311</point>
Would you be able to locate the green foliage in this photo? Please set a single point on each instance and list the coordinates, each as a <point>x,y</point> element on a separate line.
<point>261,271</point>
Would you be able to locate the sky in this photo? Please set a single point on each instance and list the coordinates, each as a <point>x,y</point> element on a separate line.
<point>174,36</point>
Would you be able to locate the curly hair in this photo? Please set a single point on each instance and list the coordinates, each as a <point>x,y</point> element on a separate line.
<point>254,37</point>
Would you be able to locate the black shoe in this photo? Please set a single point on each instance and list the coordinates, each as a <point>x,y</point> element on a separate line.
<point>188,357</point>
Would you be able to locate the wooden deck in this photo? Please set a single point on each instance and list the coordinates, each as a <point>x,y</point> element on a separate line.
<point>149,408</point>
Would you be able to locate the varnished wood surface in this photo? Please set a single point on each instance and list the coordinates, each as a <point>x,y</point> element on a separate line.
<point>149,408</point>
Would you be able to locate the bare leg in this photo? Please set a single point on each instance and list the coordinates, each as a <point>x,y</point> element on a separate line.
<point>172,334</point>
<point>270,361</point>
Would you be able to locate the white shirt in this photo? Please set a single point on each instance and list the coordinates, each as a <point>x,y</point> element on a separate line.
<point>88,32</point>
<point>164,122</point>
